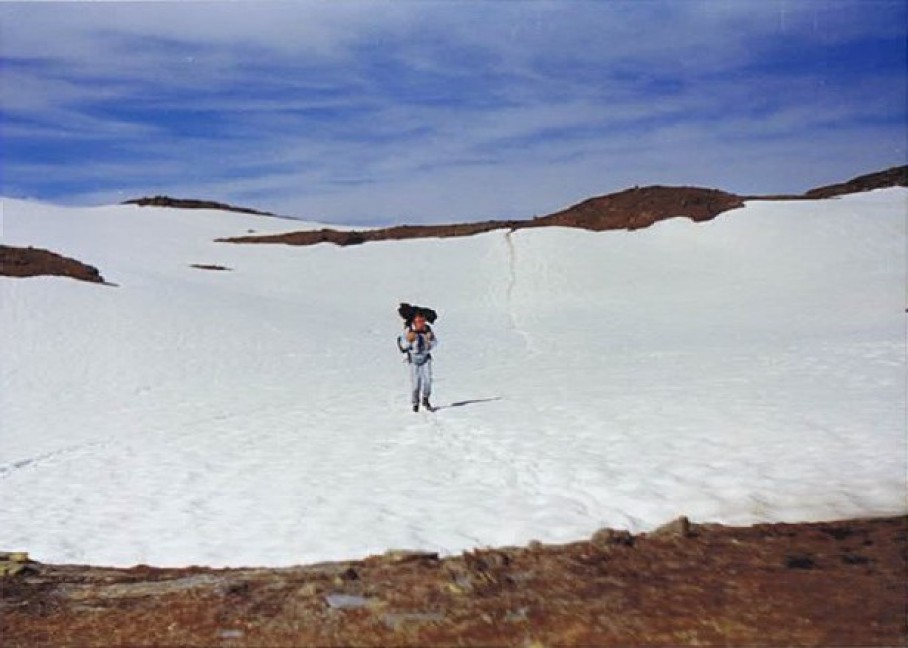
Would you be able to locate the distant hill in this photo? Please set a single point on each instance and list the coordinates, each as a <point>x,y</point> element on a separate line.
<point>630,209</point>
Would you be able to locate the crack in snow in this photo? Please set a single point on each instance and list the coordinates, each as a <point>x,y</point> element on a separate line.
<point>509,292</point>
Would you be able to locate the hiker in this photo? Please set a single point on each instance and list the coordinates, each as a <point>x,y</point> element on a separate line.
<point>417,341</point>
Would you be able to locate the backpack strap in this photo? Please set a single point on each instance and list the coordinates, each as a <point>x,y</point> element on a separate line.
<point>409,329</point>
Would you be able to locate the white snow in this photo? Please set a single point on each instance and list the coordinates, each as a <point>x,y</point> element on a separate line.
<point>743,370</point>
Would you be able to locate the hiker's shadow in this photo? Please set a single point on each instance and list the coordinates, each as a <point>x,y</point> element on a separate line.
<point>468,402</point>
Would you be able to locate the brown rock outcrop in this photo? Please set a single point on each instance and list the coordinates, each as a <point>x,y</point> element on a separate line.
<point>641,207</point>
<point>190,203</point>
<point>33,262</point>
<point>631,209</point>
<point>894,177</point>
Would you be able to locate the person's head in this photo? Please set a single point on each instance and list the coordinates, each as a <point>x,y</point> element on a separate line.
<point>419,321</point>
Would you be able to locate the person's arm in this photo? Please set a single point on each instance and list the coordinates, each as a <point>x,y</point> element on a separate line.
<point>403,344</point>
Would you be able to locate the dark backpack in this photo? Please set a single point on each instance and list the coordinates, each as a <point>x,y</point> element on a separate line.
<point>408,312</point>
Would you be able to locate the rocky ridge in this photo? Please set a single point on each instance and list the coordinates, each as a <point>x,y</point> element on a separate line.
<point>630,209</point>
<point>190,203</point>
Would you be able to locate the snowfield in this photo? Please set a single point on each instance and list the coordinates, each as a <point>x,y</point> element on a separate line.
<point>743,370</point>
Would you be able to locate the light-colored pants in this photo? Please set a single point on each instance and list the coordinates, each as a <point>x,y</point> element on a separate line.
<point>420,380</point>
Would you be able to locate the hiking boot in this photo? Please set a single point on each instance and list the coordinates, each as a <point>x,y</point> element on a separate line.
<point>416,408</point>
<point>427,404</point>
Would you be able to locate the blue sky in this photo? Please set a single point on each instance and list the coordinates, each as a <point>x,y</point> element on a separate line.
<point>379,112</point>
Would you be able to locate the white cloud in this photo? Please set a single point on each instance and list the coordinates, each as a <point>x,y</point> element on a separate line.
<point>485,110</point>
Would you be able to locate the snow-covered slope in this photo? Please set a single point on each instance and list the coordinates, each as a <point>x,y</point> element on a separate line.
<point>747,369</point>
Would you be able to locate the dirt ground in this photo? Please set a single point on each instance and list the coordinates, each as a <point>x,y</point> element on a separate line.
<point>824,584</point>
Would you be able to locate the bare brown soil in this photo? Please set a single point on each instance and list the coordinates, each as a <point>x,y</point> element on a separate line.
<point>823,584</point>
<point>628,210</point>
<point>33,262</point>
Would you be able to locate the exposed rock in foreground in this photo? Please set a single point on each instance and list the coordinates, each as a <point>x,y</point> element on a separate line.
<point>823,584</point>
<point>33,262</point>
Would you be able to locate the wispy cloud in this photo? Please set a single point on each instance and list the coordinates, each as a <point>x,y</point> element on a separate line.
<point>379,111</point>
